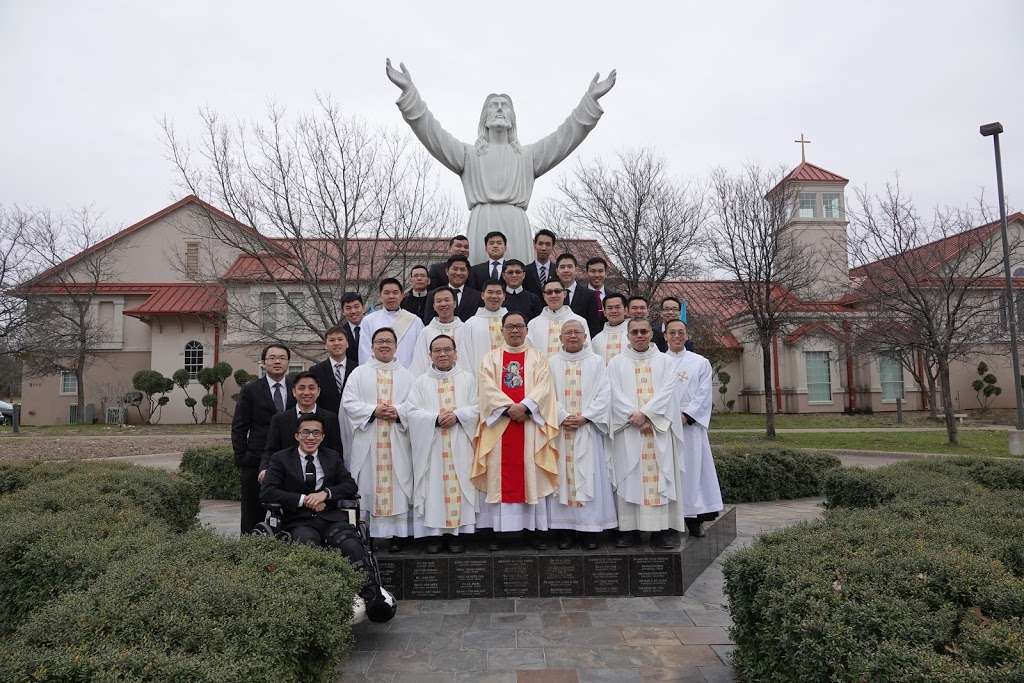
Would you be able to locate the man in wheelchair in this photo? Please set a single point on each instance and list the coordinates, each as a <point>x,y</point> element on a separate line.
<point>306,484</point>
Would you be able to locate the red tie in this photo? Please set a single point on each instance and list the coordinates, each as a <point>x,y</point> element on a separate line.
<point>600,304</point>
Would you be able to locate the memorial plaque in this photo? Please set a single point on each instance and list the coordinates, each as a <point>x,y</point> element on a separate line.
<point>515,577</point>
<point>470,577</point>
<point>391,576</point>
<point>426,579</point>
<point>561,576</point>
<point>606,575</point>
<point>652,574</point>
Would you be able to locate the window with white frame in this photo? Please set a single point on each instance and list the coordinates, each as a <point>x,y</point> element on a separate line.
<point>831,205</point>
<point>807,204</point>
<point>296,309</point>
<point>890,373</point>
<point>192,260</point>
<point>68,382</point>
<point>193,359</point>
<point>295,368</point>
<point>819,377</point>
<point>268,308</point>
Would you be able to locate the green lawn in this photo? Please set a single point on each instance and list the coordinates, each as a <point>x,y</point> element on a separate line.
<point>830,420</point>
<point>986,443</point>
<point>114,430</point>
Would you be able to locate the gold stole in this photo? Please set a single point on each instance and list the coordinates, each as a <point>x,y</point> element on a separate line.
<point>452,494</point>
<point>648,456</point>
<point>494,327</point>
<point>573,394</point>
<point>554,343</point>
<point>383,498</point>
<point>613,346</point>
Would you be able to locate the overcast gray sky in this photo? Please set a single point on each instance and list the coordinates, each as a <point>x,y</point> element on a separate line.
<point>879,87</point>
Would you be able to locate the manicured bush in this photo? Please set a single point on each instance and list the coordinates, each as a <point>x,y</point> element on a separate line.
<point>213,470</point>
<point>916,574</point>
<point>748,476</point>
<point>105,579</point>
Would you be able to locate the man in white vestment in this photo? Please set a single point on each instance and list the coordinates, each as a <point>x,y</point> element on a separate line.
<point>544,330</point>
<point>584,501</point>
<point>404,324</point>
<point>646,427</point>
<point>481,334</point>
<point>380,459</point>
<point>443,322</point>
<point>443,415</point>
<point>702,496</point>
<point>610,341</point>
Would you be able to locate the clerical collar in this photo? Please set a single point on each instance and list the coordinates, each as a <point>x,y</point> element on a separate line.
<point>676,354</point>
<point>444,325</point>
<point>374,363</point>
<point>609,326</point>
<point>516,349</point>
<point>580,355</point>
<point>419,295</point>
<point>484,313</point>
<point>651,351</point>
<point>562,312</point>
<point>441,374</point>
<point>300,412</point>
<point>517,290</point>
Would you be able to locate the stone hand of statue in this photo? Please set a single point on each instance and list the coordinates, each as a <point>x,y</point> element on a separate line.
<point>597,88</point>
<point>403,79</point>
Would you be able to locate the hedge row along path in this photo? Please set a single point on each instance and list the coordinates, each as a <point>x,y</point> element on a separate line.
<point>569,639</point>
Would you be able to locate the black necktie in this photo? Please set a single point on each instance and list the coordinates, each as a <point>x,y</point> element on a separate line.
<point>494,270</point>
<point>355,334</point>
<point>567,293</point>
<point>310,474</point>
<point>278,398</point>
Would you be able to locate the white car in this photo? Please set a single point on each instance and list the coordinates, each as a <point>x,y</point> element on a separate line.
<point>6,413</point>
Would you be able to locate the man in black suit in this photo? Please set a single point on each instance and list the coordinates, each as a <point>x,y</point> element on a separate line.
<point>494,266</point>
<point>353,309</point>
<point>578,297</point>
<point>258,402</point>
<point>415,300</point>
<point>306,390</point>
<point>457,246</point>
<point>517,298</point>
<point>468,299</point>
<point>333,372</point>
<point>541,269</point>
<point>670,310</point>
<point>597,271</point>
<point>307,481</point>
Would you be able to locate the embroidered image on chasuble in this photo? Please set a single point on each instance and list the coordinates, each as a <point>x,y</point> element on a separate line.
<point>515,462</point>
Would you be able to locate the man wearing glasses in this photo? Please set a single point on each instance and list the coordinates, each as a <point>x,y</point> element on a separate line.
<point>306,390</point>
<point>647,465</point>
<point>670,310</point>
<point>443,416</point>
<point>544,330</point>
<point>515,463</point>
<point>380,458</point>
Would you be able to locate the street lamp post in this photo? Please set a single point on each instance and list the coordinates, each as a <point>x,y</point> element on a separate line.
<point>1016,438</point>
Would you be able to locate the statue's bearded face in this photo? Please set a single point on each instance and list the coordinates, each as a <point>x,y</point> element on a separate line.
<point>498,112</point>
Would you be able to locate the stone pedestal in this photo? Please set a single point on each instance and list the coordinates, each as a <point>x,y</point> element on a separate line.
<point>519,571</point>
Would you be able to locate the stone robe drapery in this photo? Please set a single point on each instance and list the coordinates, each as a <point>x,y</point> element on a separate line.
<point>421,352</point>
<point>610,341</point>
<point>543,330</point>
<point>540,432</point>
<point>443,457</point>
<point>498,178</point>
<point>407,328</point>
<point>701,491</point>
<point>647,499</point>
<point>584,501</point>
<point>477,337</point>
<point>360,400</point>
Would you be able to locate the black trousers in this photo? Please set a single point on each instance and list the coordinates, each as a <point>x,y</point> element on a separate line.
<point>252,510</point>
<point>339,536</point>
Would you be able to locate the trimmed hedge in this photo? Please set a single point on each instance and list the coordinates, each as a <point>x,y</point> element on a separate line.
<point>213,470</point>
<point>750,476</point>
<point>916,574</point>
<point>105,579</point>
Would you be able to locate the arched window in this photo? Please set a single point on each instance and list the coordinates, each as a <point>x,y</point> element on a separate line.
<point>193,359</point>
<point>1018,272</point>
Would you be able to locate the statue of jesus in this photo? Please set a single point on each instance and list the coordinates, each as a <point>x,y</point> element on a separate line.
<point>497,171</point>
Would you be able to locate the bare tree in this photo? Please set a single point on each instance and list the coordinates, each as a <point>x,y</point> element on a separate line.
<point>747,241</point>
<point>15,267</point>
<point>63,328</point>
<point>649,223</point>
<point>929,284</point>
<point>333,204</point>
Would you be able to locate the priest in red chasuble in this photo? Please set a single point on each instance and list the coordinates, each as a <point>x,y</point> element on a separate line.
<point>515,463</point>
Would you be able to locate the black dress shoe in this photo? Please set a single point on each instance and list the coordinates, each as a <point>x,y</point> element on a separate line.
<point>433,547</point>
<point>663,540</point>
<point>627,539</point>
<point>590,541</point>
<point>454,545</point>
<point>693,527</point>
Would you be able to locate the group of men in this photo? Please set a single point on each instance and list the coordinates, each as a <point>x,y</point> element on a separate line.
<point>501,396</point>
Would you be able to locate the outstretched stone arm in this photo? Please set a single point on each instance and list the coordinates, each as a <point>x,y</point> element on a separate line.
<point>549,151</point>
<point>441,144</point>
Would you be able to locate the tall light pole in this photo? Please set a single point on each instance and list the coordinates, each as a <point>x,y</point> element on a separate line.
<point>1016,441</point>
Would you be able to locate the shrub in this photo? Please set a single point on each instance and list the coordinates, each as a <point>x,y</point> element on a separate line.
<point>748,476</point>
<point>213,470</point>
<point>915,575</point>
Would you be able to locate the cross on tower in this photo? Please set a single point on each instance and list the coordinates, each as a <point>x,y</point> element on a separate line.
<point>803,157</point>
